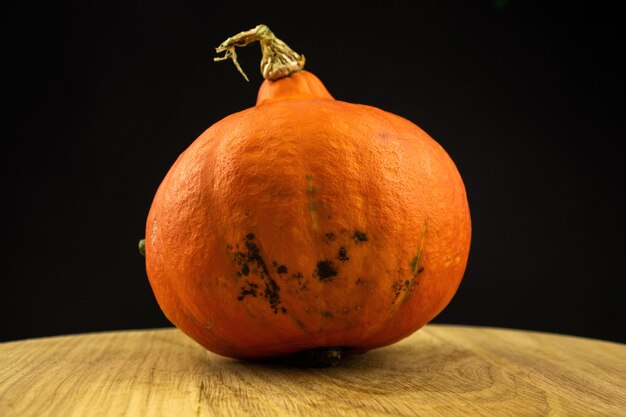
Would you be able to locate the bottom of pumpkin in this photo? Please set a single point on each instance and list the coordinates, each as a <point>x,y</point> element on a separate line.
<point>320,357</point>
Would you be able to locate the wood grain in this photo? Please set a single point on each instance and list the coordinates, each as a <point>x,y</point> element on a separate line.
<point>439,371</point>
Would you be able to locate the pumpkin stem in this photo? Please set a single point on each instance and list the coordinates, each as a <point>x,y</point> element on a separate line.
<point>278,61</point>
<point>321,357</point>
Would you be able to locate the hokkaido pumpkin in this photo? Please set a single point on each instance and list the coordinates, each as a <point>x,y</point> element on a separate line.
<point>305,223</point>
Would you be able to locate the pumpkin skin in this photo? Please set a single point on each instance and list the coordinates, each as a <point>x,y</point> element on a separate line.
<point>307,222</point>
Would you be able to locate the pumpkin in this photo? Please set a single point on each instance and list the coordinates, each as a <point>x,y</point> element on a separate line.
<point>305,223</point>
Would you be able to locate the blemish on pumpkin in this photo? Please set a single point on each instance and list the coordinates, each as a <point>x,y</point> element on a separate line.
<point>301,282</point>
<point>450,259</point>
<point>272,293</point>
<point>365,285</point>
<point>359,236</point>
<point>313,212</point>
<point>155,228</point>
<point>281,269</point>
<point>326,314</point>
<point>402,290</point>
<point>254,254</point>
<point>414,264</point>
<point>310,189</point>
<point>312,207</point>
<point>343,254</point>
<point>330,236</point>
<point>251,263</point>
<point>325,270</point>
<point>397,289</point>
<point>250,290</point>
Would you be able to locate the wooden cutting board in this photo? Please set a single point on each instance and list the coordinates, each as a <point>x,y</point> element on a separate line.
<point>439,371</point>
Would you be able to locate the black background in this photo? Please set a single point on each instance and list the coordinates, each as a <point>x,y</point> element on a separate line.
<point>103,96</point>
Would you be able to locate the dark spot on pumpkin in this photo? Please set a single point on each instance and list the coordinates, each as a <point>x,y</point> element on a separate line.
<point>251,263</point>
<point>396,288</point>
<point>325,270</point>
<point>326,314</point>
<point>360,281</point>
<point>407,286</point>
<point>301,281</point>
<point>254,255</point>
<point>250,290</point>
<point>359,236</point>
<point>419,271</point>
<point>343,254</point>
<point>330,236</point>
<point>272,293</point>
<point>282,269</point>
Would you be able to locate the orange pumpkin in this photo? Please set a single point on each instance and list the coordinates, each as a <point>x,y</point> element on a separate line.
<point>306,222</point>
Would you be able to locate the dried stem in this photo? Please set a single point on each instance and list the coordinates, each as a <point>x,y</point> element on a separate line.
<point>278,61</point>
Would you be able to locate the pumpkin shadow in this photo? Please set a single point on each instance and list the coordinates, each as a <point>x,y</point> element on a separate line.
<point>404,379</point>
<point>384,371</point>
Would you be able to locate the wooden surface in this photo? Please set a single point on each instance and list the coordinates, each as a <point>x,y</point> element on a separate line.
<point>439,371</point>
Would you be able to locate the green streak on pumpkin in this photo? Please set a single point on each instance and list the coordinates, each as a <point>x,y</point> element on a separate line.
<point>312,206</point>
<point>313,212</point>
<point>415,262</point>
<point>310,189</point>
